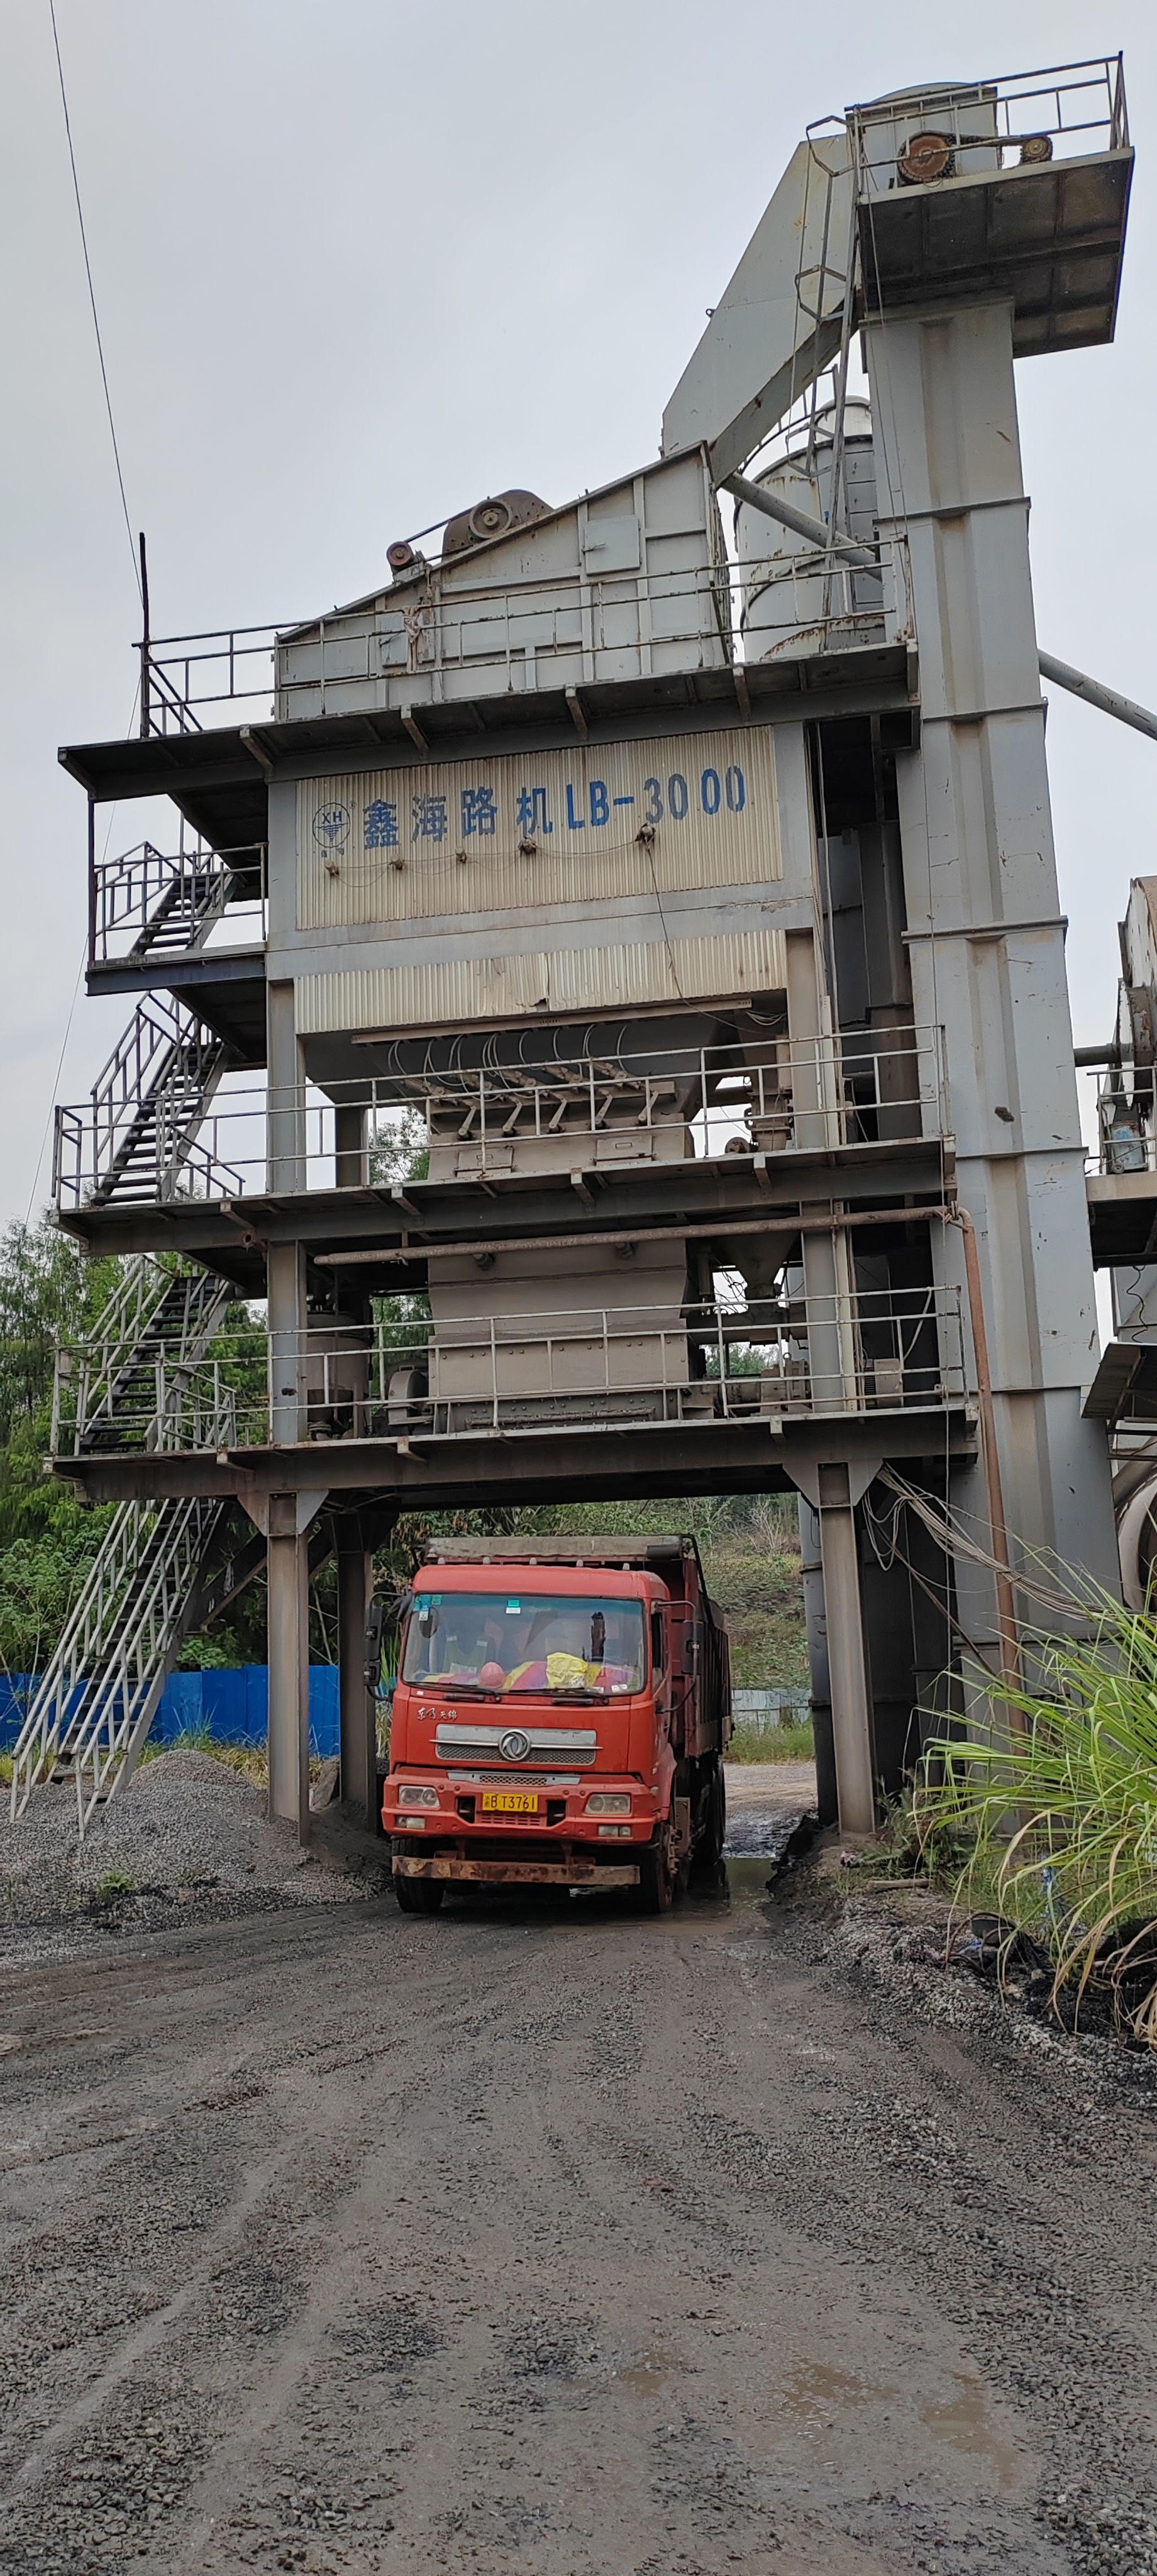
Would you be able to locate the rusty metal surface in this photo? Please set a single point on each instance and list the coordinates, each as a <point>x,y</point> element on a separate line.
<point>515,1873</point>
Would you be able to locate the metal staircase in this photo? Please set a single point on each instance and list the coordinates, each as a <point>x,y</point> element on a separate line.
<point>193,899</point>
<point>127,1386</point>
<point>137,1145</point>
<point>158,904</point>
<point>148,1583</point>
<point>95,1704</point>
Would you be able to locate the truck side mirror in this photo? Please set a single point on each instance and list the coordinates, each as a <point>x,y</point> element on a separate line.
<point>375,1630</point>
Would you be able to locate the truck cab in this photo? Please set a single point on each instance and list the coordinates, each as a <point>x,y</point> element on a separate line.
<point>558,1719</point>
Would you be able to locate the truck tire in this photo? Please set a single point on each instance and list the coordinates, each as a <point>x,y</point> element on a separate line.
<point>419,1895</point>
<point>709,1848</point>
<point>658,1876</point>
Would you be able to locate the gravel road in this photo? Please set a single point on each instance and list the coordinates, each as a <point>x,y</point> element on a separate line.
<point>555,2242</point>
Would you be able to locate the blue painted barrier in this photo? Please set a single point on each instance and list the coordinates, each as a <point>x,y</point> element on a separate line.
<point>231,1704</point>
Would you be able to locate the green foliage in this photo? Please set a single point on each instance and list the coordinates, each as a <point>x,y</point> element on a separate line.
<point>789,1743</point>
<point>400,1151</point>
<point>47,1540</point>
<point>1053,1817</point>
<point>116,1882</point>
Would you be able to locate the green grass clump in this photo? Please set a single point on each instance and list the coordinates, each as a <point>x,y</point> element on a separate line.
<point>793,1743</point>
<point>1054,1818</point>
<point>116,1882</point>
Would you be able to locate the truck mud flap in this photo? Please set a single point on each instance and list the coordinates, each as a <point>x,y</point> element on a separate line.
<point>515,1873</point>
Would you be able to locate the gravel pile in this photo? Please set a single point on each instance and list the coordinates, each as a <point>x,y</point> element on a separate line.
<point>188,1841</point>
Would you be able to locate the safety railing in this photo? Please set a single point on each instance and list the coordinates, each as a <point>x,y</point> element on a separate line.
<point>1010,121</point>
<point>790,598</point>
<point>139,1135</point>
<point>150,904</point>
<point>496,639</point>
<point>406,1376</point>
<point>156,1329</point>
<point>522,1108</point>
<point>1119,1118</point>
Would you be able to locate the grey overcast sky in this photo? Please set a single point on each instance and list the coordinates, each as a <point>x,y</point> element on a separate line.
<point>357,265</point>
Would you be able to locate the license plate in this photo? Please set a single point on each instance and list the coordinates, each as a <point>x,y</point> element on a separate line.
<point>509,1802</point>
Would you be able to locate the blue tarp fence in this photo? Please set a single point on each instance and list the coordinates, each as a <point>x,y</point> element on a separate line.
<point>231,1704</point>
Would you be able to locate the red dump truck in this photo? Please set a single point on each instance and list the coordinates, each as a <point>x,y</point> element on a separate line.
<point>560,1715</point>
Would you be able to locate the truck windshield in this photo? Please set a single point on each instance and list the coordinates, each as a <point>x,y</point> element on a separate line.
<point>516,1643</point>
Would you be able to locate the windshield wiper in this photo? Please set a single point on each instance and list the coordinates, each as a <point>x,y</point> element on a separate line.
<point>576,1691</point>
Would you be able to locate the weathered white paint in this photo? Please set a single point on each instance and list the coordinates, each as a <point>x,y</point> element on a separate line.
<point>459,989</point>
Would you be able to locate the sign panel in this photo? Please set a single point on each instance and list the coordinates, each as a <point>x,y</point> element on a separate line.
<point>596,824</point>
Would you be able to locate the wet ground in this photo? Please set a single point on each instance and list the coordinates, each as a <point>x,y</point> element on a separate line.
<point>550,2239</point>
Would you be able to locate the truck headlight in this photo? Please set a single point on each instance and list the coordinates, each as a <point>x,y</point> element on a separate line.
<point>415,1793</point>
<point>609,1802</point>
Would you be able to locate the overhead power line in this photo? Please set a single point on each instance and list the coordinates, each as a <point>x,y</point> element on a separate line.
<point>92,301</point>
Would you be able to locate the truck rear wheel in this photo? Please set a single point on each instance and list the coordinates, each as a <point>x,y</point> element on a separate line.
<point>709,1848</point>
<point>419,1895</point>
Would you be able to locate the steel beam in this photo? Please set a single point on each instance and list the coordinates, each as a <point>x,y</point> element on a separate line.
<point>725,1189</point>
<point>761,1454</point>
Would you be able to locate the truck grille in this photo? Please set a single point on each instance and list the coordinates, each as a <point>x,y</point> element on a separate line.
<point>544,1746</point>
<point>519,1779</point>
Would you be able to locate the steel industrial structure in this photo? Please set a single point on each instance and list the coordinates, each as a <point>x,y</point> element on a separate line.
<point>688,890</point>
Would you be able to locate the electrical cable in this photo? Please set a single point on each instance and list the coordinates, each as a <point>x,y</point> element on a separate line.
<point>945,1528</point>
<point>92,301</point>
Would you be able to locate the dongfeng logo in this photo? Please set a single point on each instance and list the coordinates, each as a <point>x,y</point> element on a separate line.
<point>514,1745</point>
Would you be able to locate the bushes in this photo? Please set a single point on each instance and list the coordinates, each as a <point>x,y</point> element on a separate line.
<point>1055,1816</point>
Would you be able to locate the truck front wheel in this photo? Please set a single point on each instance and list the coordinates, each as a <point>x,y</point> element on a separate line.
<point>658,1874</point>
<point>419,1895</point>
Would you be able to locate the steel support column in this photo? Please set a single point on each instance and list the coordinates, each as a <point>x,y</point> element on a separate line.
<point>288,1648</point>
<point>985,934</point>
<point>288,1549</point>
<point>350,1157</point>
<point>847,1664</point>
<point>358,1723</point>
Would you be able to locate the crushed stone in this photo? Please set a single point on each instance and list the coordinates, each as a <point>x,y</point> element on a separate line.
<point>189,1841</point>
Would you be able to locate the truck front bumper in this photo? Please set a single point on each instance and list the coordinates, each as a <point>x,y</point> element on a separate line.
<point>573,1871</point>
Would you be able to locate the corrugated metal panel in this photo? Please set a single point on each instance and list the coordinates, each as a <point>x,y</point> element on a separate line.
<point>444,837</point>
<point>462,989</point>
<point>623,582</point>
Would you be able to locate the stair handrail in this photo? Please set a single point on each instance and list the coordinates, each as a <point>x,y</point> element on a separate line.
<point>104,1585</point>
<point>88,1374</point>
<point>157,1086</point>
<point>78,1392</point>
<point>115,1719</point>
<point>123,1705</point>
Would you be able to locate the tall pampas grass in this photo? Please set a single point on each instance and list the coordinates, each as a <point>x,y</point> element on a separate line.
<point>1053,1816</point>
